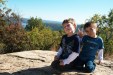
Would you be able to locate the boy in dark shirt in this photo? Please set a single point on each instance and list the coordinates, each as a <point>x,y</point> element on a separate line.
<point>69,47</point>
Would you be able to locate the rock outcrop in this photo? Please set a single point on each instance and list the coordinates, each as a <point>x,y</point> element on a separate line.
<point>37,62</point>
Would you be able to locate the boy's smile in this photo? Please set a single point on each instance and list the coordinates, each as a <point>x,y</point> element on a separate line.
<point>69,28</point>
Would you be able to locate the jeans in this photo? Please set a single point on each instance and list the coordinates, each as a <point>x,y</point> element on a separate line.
<point>86,66</point>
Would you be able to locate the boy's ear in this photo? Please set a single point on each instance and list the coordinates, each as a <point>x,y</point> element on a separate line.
<point>75,26</point>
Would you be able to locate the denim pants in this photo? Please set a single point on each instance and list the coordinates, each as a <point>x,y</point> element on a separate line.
<point>86,66</point>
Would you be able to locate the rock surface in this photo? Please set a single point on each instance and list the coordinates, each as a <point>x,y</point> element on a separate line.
<point>37,62</point>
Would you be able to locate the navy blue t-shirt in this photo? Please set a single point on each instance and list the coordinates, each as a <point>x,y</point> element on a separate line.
<point>69,45</point>
<point>90,47</point>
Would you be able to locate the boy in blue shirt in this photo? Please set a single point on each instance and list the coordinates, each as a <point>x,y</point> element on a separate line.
<point>69,47</point>
<point>91,45</point>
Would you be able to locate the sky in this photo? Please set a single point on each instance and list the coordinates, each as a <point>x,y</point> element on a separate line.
<point>58,10</point>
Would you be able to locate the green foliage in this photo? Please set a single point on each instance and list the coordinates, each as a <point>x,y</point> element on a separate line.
<point>12,34</point>
<point>35,35</point>
<point>2,45</point>
<point>47,38</point>
<point>15,38</point>
<point>34,22</point>
<point>57,35</point>
<point>40,36</point>
<point>43,39</point>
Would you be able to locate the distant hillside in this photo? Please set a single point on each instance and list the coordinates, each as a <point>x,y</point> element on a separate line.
<point>54,25</point>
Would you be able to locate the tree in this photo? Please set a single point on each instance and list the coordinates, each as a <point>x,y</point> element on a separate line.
<point>12,34</point>
<point>34,23</point>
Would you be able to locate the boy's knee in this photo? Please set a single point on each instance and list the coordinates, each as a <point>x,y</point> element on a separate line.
<point>54,64</point>
<point>89,68</point>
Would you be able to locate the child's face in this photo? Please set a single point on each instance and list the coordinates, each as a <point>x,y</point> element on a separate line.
<point>69,28</point>
<point>91,30</point>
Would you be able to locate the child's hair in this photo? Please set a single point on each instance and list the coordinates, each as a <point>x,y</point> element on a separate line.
<point>70,20</point>
<point>88,24</point>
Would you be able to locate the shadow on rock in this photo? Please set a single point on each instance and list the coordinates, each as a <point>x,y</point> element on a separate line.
<point>38,71</point>
<point>5,73</point>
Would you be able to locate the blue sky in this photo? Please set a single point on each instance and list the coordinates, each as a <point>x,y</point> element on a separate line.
<point>58,10</point>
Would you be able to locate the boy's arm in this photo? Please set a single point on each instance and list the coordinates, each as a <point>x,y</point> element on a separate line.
<point>59,52</point>
<point>74,53</point>
<point>71,57</point>
<point>81,34</point>
<point>100,56</point>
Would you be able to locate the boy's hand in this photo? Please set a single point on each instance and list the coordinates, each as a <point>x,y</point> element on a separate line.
<point>61,63</point>
<point>100,62</point>
<point>56,58</point>
<point>80,33</point>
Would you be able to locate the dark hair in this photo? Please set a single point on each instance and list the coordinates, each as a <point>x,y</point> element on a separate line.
<point>88,24</point>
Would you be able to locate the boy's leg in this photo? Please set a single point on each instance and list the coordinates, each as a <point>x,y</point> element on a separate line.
<point>67,67</point>
<point>90,66</point>
<point>78,64</point>
<point>55,64</point>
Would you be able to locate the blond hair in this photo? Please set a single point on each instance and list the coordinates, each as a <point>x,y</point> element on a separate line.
<point>70,20</point>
